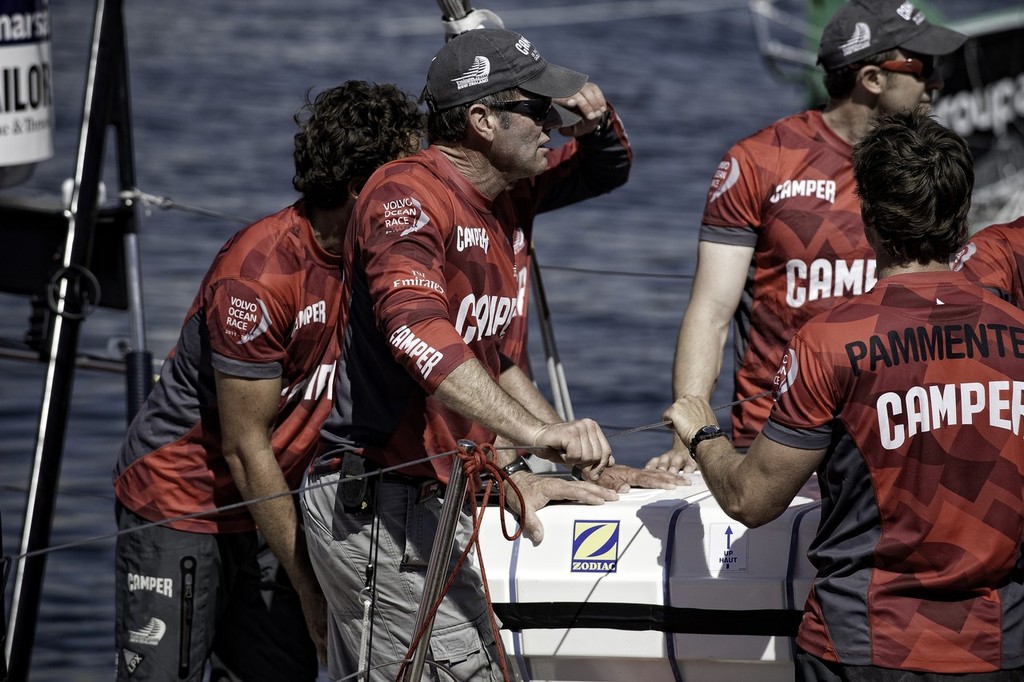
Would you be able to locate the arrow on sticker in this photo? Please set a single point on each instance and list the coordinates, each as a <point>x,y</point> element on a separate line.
<point>728,537</point>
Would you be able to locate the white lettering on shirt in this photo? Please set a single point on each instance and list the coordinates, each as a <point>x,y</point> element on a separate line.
<point>921,409</point>
<point>823,278</point>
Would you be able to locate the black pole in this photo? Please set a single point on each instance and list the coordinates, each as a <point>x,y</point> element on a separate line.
<point>72,300</point>
<point>139,361</point>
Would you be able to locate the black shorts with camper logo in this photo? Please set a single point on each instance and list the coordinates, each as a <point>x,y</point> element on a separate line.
<point>183,598</point>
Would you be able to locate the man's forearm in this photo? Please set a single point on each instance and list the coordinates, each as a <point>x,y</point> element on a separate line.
<point>258,476</point>
<point>470,391</point>
<point>520,387</point>
<point>698,358</point>
<point>606,158</point>
<point>717,289</point>
<point>248,411</point>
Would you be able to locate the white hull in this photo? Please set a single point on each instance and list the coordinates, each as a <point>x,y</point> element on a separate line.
<point>663,568</point>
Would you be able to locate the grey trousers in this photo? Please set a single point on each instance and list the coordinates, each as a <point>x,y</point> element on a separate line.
<point>341,547</point>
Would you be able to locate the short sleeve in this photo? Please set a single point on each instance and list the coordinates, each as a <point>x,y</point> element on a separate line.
<point>806,401</point>
<point>247,329</point>
<point>734,196</point>
<point>988,260</point>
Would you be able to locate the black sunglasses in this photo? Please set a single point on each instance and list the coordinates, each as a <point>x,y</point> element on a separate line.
<point>536,109</point>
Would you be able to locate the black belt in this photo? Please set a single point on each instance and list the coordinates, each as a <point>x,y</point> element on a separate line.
<point>428,487</point>
<point>359,480</point>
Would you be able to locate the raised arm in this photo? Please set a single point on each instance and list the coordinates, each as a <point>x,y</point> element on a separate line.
<point>717,288</point>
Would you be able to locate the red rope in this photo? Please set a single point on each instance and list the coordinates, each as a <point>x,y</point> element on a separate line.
<point>478,461</point>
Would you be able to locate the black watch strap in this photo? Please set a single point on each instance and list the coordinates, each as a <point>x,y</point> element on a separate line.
<point>704,433</point>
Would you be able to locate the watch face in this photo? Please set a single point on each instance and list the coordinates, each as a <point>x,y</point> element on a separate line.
<point>705,433</point>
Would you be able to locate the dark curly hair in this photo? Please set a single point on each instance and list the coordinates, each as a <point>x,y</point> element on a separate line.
<point>914,179</point>
<point>346,133</point>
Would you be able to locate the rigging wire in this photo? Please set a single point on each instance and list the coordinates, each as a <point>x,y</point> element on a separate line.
<point>648,427</point>
<point>616,431</point>
<point>301,489</point>
<point>151,201</point>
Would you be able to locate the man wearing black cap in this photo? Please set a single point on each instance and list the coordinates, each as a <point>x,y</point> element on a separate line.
<point>781,238</point>
<point>433,260</point>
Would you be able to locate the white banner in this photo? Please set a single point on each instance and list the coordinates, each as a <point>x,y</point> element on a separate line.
<point>26,91</point>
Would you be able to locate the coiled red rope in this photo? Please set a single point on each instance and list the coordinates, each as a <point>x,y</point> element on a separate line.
<point>477,462</point>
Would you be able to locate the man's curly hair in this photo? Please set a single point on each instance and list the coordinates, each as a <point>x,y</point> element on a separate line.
<point>346,133</point>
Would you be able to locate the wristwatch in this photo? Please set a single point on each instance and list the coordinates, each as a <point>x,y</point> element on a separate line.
<point>704,433</point>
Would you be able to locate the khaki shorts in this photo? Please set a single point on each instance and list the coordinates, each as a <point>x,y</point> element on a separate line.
<point>341,547</point>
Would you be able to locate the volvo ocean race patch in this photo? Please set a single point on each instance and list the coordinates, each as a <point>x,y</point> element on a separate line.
<point>245,319</point>
<point>403,216</point>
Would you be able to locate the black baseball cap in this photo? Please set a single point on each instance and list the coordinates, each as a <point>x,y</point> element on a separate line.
<point>862,28</point>
<point>484,61</point>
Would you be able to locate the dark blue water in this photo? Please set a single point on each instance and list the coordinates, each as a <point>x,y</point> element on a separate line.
<point>214,87</point>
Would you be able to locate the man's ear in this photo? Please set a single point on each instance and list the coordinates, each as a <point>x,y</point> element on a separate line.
<point>481,121</point>
<point>870,77</point>
<point>355,185</point>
